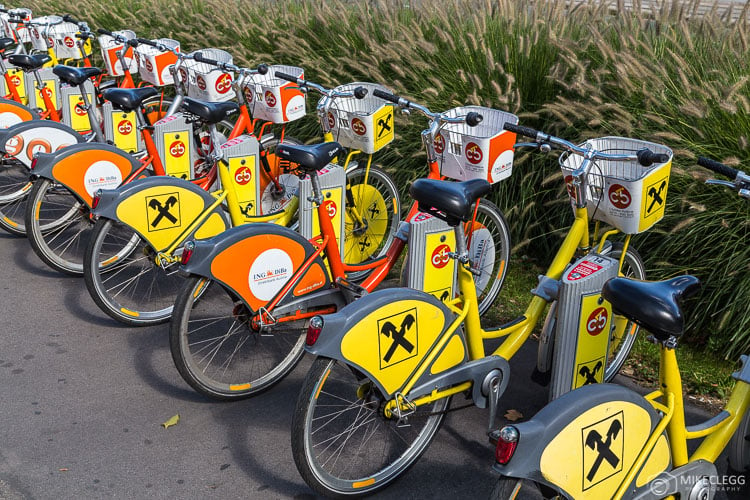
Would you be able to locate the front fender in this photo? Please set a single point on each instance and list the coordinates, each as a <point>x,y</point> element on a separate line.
<point>12,113</point>
<point>26,139</point>
<point>260,263</point>
<point>86,168</point>
<point>387,334</point>
<point>561,445</point>
<point>161,208</point>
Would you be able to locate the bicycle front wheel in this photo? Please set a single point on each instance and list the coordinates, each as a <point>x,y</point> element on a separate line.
<point>343,445</point>
<point>56,225</point>
<point>14,188</point>
<point>488,242</point>
<point>124,279</point>
<point>217,351</point>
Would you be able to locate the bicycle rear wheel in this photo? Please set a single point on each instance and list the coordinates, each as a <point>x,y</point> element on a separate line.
<point>57,224</point>
<point>488,242</point>
<point>739,446</point>
<point>216,350</point>
<point>124,279</point>
<point>342,443</point>
<point>14,188</point>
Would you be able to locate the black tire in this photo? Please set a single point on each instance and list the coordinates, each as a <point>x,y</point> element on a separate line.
<point>57,226</point>
<point>339,414</point>
<point>124,279</point>
<point>488,241</point>
<point>511,488</point>
<point>216,351</point>
<point>14,189</point>
<point>372,216</point>
<point>739,446</point>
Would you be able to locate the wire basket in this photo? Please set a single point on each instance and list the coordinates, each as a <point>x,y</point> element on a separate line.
<point>481,152</point>
<point>364,124</point>
<point>206,81</point>
<point>110,47</point>
<point>63,40</point>
<point>273,99</point>
<point>623,194</point>
<point>153,64</point>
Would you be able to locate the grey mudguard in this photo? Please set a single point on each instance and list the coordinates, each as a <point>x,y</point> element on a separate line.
<point>387,334</point>
<point>265,263</point>
<point>22,141</point>
<point>578,413</point>
<point>86,168</point>
<point>161,209</point>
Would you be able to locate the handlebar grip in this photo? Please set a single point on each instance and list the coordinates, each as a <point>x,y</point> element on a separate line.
<point>473,118</point>
<point>717,167</point>
<point>360,92</point>
<point>646,157</point>
<point>84,35</point>
<point>69,19</point>
<point>146,41</point>
<point>521,130</point>
<point>16,21</point>
<point>198,56</point>
<point>386,96</point>
<point>262,69</point>
<point>102,31</point>
<point>132,42</point>
<point>287,77</point>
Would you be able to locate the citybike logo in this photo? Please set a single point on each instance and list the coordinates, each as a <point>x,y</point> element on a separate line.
<point>148,64</point>
<point>14,145</point>
<point>358,127</point>
<point>38,146</point>
<point>183,74</point>
<point>473,153</point>
<point>331,208</point>
<point>243,176</point>
<point>331,120</point>
<point>125,127</point>
<point>270,99</point>
<point>46,92</point>
<point>223,83</point>
<point>619,196</point>
<point>248,94</point>
<point>137,58</point>
<point>439,144</point>
<point>177,149</point>
<point>69,42</point>
<point>597,321</point>
<point>569,186</point>
<point>441,256</point>
<point>78,109</point>
<point>50,42</point>
<point>201,82</point>
<point>16,80</point>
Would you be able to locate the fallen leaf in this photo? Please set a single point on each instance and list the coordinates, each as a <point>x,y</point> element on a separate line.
<point>64,469</point>
<point>172,421</point>
<point>513,415</point>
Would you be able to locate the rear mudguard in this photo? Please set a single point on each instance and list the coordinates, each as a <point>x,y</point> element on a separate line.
<point>161,208</point>
<point>86,168</point>
<point>584,443</point>
<point>12,113</point>
<point>24,140</point>
<point>395,335</point>
<point>263,263</point>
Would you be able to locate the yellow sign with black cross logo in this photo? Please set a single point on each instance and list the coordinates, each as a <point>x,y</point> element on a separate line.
<point>653,199</point>
<point>603,449</point>
<point>398,338</point>
<point>384,128</point>
<point>163,211</point>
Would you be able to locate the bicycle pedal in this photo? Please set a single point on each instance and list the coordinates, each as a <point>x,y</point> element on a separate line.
<point>351,291</point>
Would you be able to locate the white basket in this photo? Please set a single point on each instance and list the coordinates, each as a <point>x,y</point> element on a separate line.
<point>17,32</point>
<point>623,194</point>
<point>110,47</point>
<point>153,64</point>
<point>274,99</point>
<point>364,124</point>
<point>207,82</point>
<point>63,38</point>
<point>38,32</point>
<point>481,152</point>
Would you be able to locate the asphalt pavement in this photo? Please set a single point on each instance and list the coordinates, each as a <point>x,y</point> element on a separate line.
<point>83,400</point>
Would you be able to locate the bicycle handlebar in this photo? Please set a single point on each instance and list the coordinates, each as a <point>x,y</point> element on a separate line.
<point>289,78</point>
<point>472,118</point>
<point>717,167</point>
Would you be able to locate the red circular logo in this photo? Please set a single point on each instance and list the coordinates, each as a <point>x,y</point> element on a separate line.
<point>50,42</point>
<point>619,196</point>
<point>473,153</point>
<point>223,83</point>
<point>78,108</point>
<point>201,82</point>
<point>597,321</point>
<point>16,80</point>
<point>569,186</point>
<point>440,256</point>
<point>38,146</point>
<point>270,99</point>
<point>243,176</point>
<point>331,120</point>
<point>331,208</point>
<point>358,127</point>
<point>248,94</point>
<point>177,149</point>
<point>14,145</point>
<point>125,127</point>
<point>69,42</point>
<point>183,74</point>
<point>149,66</point>
<point>439,144</point>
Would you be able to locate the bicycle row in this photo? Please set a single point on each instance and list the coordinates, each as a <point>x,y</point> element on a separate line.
<point>259,249</point>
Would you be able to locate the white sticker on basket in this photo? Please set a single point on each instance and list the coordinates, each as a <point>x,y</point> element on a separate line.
<point>503,163</point>
<point>101,175</point>
<point>295,108</point>
<point>482,255</point>
<point>269,273</point>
